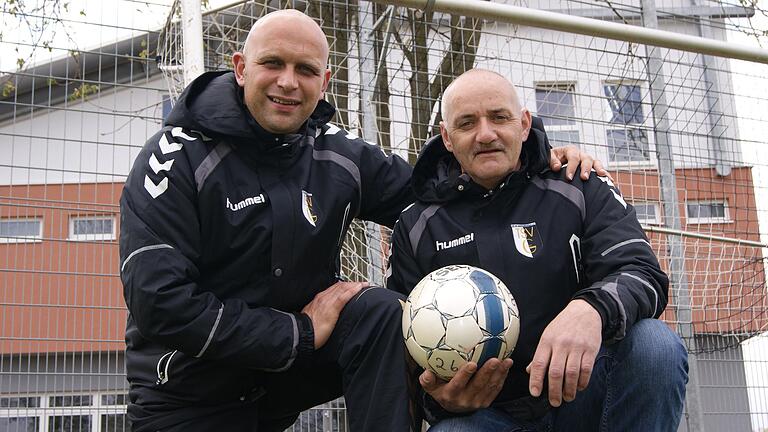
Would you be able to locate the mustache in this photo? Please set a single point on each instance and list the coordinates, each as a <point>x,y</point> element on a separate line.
<point>490,147</point>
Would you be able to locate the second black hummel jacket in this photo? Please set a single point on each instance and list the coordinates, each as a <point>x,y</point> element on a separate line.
<point>550,240</point>
<point>227,232</point>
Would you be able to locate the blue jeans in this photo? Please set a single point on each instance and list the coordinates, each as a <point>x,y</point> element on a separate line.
<point>637,384</point>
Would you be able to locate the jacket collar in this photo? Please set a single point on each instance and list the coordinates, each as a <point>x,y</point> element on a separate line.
<point>213,104</point>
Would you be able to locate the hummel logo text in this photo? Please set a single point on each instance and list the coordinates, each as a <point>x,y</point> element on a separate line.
<point>258,199</point>
<point>440,245</point>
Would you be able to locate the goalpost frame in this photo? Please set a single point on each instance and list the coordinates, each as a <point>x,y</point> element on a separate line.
<point>587,26</point>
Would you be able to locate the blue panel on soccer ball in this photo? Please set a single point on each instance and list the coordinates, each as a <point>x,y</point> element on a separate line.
<point>494,314</point>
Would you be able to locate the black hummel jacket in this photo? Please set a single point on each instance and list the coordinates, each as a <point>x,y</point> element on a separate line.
<point>550,240</point>
<point>227,232</point>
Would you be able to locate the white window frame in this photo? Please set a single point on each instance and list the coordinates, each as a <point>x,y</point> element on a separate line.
<point>645,125</point>
<point>26,412</point>
<point>37,238</point>
<point>91,237</point>
<point>45,411</point>
<point>656,209</point>
<point>708,220</point>
<point>564,87</point>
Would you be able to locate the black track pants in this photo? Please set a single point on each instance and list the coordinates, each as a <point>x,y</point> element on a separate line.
<point>362,360</point>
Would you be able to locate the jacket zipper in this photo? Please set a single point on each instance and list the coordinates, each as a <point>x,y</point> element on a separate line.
<point>334,260</point>
<point>162,367</point>
<point>343,224</point>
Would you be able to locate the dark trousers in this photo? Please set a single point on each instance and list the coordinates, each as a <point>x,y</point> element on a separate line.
<point>362,360</point>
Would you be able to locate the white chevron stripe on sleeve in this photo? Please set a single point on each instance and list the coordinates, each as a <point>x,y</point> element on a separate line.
<point>332,129</point>
<point>157,166</point>
<point>179,133</point>
<point>155,189</point>
<point>168,147</point>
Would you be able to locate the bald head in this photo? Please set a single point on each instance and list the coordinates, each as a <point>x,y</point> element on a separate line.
<point>462,87</point>
<point>283,70</point>
<point>484,126</point>
<point>287,20</point>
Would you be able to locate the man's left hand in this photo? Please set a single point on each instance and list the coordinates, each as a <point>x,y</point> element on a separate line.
<point>575,158</point>
<point>566,352</point>
<point>471,388</point>
<point>325,308</point>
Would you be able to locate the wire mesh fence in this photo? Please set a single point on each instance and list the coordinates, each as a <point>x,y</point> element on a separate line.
<point>683,135</point>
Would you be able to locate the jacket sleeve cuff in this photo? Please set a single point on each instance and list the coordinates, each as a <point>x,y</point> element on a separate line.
<point>306,345</point>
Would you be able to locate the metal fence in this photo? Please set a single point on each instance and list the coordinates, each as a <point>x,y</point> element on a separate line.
<point>683,133</point>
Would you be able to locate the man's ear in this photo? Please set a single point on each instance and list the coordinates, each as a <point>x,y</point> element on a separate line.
<point>238,59</point>
<point>525,119</point>
<point>446,138</point>
<point>326,79</point>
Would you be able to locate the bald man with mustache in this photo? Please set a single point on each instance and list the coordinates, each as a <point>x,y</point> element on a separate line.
<point>591,355</point>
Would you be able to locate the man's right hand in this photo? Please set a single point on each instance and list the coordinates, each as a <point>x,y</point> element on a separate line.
<point>325,308</point>
<point>470,389</point>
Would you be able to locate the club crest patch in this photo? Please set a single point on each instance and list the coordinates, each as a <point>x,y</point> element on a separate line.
<point>527,238</point>
<point>306,208</point>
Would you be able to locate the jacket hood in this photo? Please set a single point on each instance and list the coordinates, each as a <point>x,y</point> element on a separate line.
<point>437,176</point>
<point>213,104</point>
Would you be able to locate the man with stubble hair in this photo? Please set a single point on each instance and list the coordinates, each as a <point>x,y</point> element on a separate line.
<point>232,220</point>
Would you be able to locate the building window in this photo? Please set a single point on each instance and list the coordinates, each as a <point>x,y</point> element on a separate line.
<point>555,104</point>
<point>20,402</point>
<point>20,424</point>
<point>115,419</point>
<point>115,423</point>
<point>20,413</point>
<point>698,212</point>
<point>81,422</point>
<point>559,138</point>
<point>647,212</point>
<point>92,228</point>
<point>64,413</point>
<point>114,399</point>
<point>626,138</point>
<point>69,423</point>
<point>21,230</point>
<point>70,401</point>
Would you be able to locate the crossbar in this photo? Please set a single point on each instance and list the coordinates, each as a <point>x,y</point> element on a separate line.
<point>587,26</point>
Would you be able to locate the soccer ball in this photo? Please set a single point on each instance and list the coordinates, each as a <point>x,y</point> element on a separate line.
<point>458,314</point>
